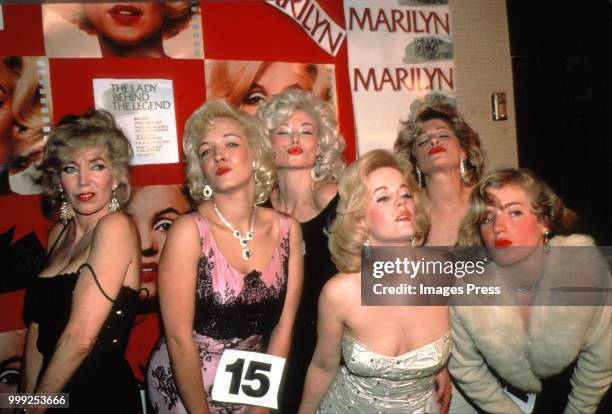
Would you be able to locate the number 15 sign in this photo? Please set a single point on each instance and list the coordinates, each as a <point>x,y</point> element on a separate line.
<point>248,378</point>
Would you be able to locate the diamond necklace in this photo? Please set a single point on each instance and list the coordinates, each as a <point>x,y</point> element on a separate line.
<point>246,253</point>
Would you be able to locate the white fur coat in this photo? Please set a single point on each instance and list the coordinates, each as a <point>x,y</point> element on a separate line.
<point>495,336</point>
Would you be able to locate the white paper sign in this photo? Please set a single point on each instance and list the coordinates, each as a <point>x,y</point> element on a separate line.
<point>144,109</point>
<point>248,378</point>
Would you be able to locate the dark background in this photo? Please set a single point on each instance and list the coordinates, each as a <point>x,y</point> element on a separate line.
<point>563,90</point>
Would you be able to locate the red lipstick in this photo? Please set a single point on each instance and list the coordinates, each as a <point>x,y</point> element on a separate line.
<point>148,272</point>
<point>85,196</point>
<point>502,243</point>
<point>125,14</point>
<point>222,170</point>
<point>295,150</point>
<point>436,149</point>
<point>404,216</point>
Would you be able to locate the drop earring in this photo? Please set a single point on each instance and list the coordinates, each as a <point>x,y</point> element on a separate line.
<point>65,213</point>
<point>462,171</point>
<point>413,242</point>
<point>546,246</point>
<point>207,191</point>
<point>367,252</point>
<point>114,204</point>
<point>419,176</point>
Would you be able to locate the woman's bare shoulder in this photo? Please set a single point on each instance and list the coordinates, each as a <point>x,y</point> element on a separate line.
<point>340,286</point>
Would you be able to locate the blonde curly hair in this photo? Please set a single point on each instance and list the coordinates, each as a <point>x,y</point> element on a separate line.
<point>547,205</point>
<point>346,234</point>
<point>201,122</point>
<point>330,143</point>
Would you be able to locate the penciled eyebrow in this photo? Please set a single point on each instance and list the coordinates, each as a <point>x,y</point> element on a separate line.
<point>256,87</point>
<point>166,211</point>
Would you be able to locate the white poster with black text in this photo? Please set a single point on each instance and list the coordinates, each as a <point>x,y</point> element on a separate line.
<point>144,109</point>
<point>398,51</point>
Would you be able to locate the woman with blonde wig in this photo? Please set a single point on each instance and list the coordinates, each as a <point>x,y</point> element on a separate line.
<point>537,353</point>
<point>447,159</point>
<point>240,261</point>
<point>308,159</point>
<point>80,309</point>
<point>391,355</point>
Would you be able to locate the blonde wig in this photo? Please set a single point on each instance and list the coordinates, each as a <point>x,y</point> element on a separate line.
<point>95,129</point>
<point>347,234</point>
<point>330,143</point>
<point>549,207</point>
<point>412,128</point>
<point>201,122</point>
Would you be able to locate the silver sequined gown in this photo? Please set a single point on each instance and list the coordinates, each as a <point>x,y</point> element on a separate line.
<point>373,383</point>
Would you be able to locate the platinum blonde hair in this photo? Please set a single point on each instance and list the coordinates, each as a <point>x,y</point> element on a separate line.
<point>330,143</point>
<point>201,122</point>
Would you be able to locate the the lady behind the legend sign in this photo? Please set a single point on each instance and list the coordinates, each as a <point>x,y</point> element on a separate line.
<point>447,159</point>
<point>81,307</point>
<point>241,262</point>
<point>308,158</point>
<point>392,354</point>
<point>501,354</point>
<point>129,29</point>
<point>250,84</point>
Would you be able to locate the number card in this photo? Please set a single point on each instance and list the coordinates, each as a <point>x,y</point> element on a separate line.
<point>248,378</point>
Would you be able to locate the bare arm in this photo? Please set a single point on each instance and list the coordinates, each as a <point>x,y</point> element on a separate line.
<point>280,339</point>
<point>32,361</point>
<point>115,251</point>
<point>326,359</point>
<point>177,286</point>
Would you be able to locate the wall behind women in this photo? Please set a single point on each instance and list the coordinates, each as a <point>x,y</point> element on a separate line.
<point>483,65</point>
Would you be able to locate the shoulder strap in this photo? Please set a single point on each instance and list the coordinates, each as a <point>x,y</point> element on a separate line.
<point>58,239</point>
<point>88,266</point>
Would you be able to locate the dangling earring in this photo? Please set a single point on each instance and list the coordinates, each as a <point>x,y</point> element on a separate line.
<point>315,173</point>
<point>207,192</point>
<point>413,242</point>
<point>114,204</point>
<point>65,213</point>
<point>367,252</point>
<point>419,175</point>
<point>462,171</point>
<point>546,247</point>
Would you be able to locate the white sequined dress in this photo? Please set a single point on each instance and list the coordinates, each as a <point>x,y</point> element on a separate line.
<point>373,383</point>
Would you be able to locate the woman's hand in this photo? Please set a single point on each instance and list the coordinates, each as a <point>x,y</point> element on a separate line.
<point>443,390</point>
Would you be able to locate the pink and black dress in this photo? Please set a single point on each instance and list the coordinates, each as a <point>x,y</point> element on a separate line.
<point>232,311</point>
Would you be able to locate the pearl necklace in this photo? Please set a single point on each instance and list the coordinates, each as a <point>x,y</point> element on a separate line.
<point>246,253</point>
